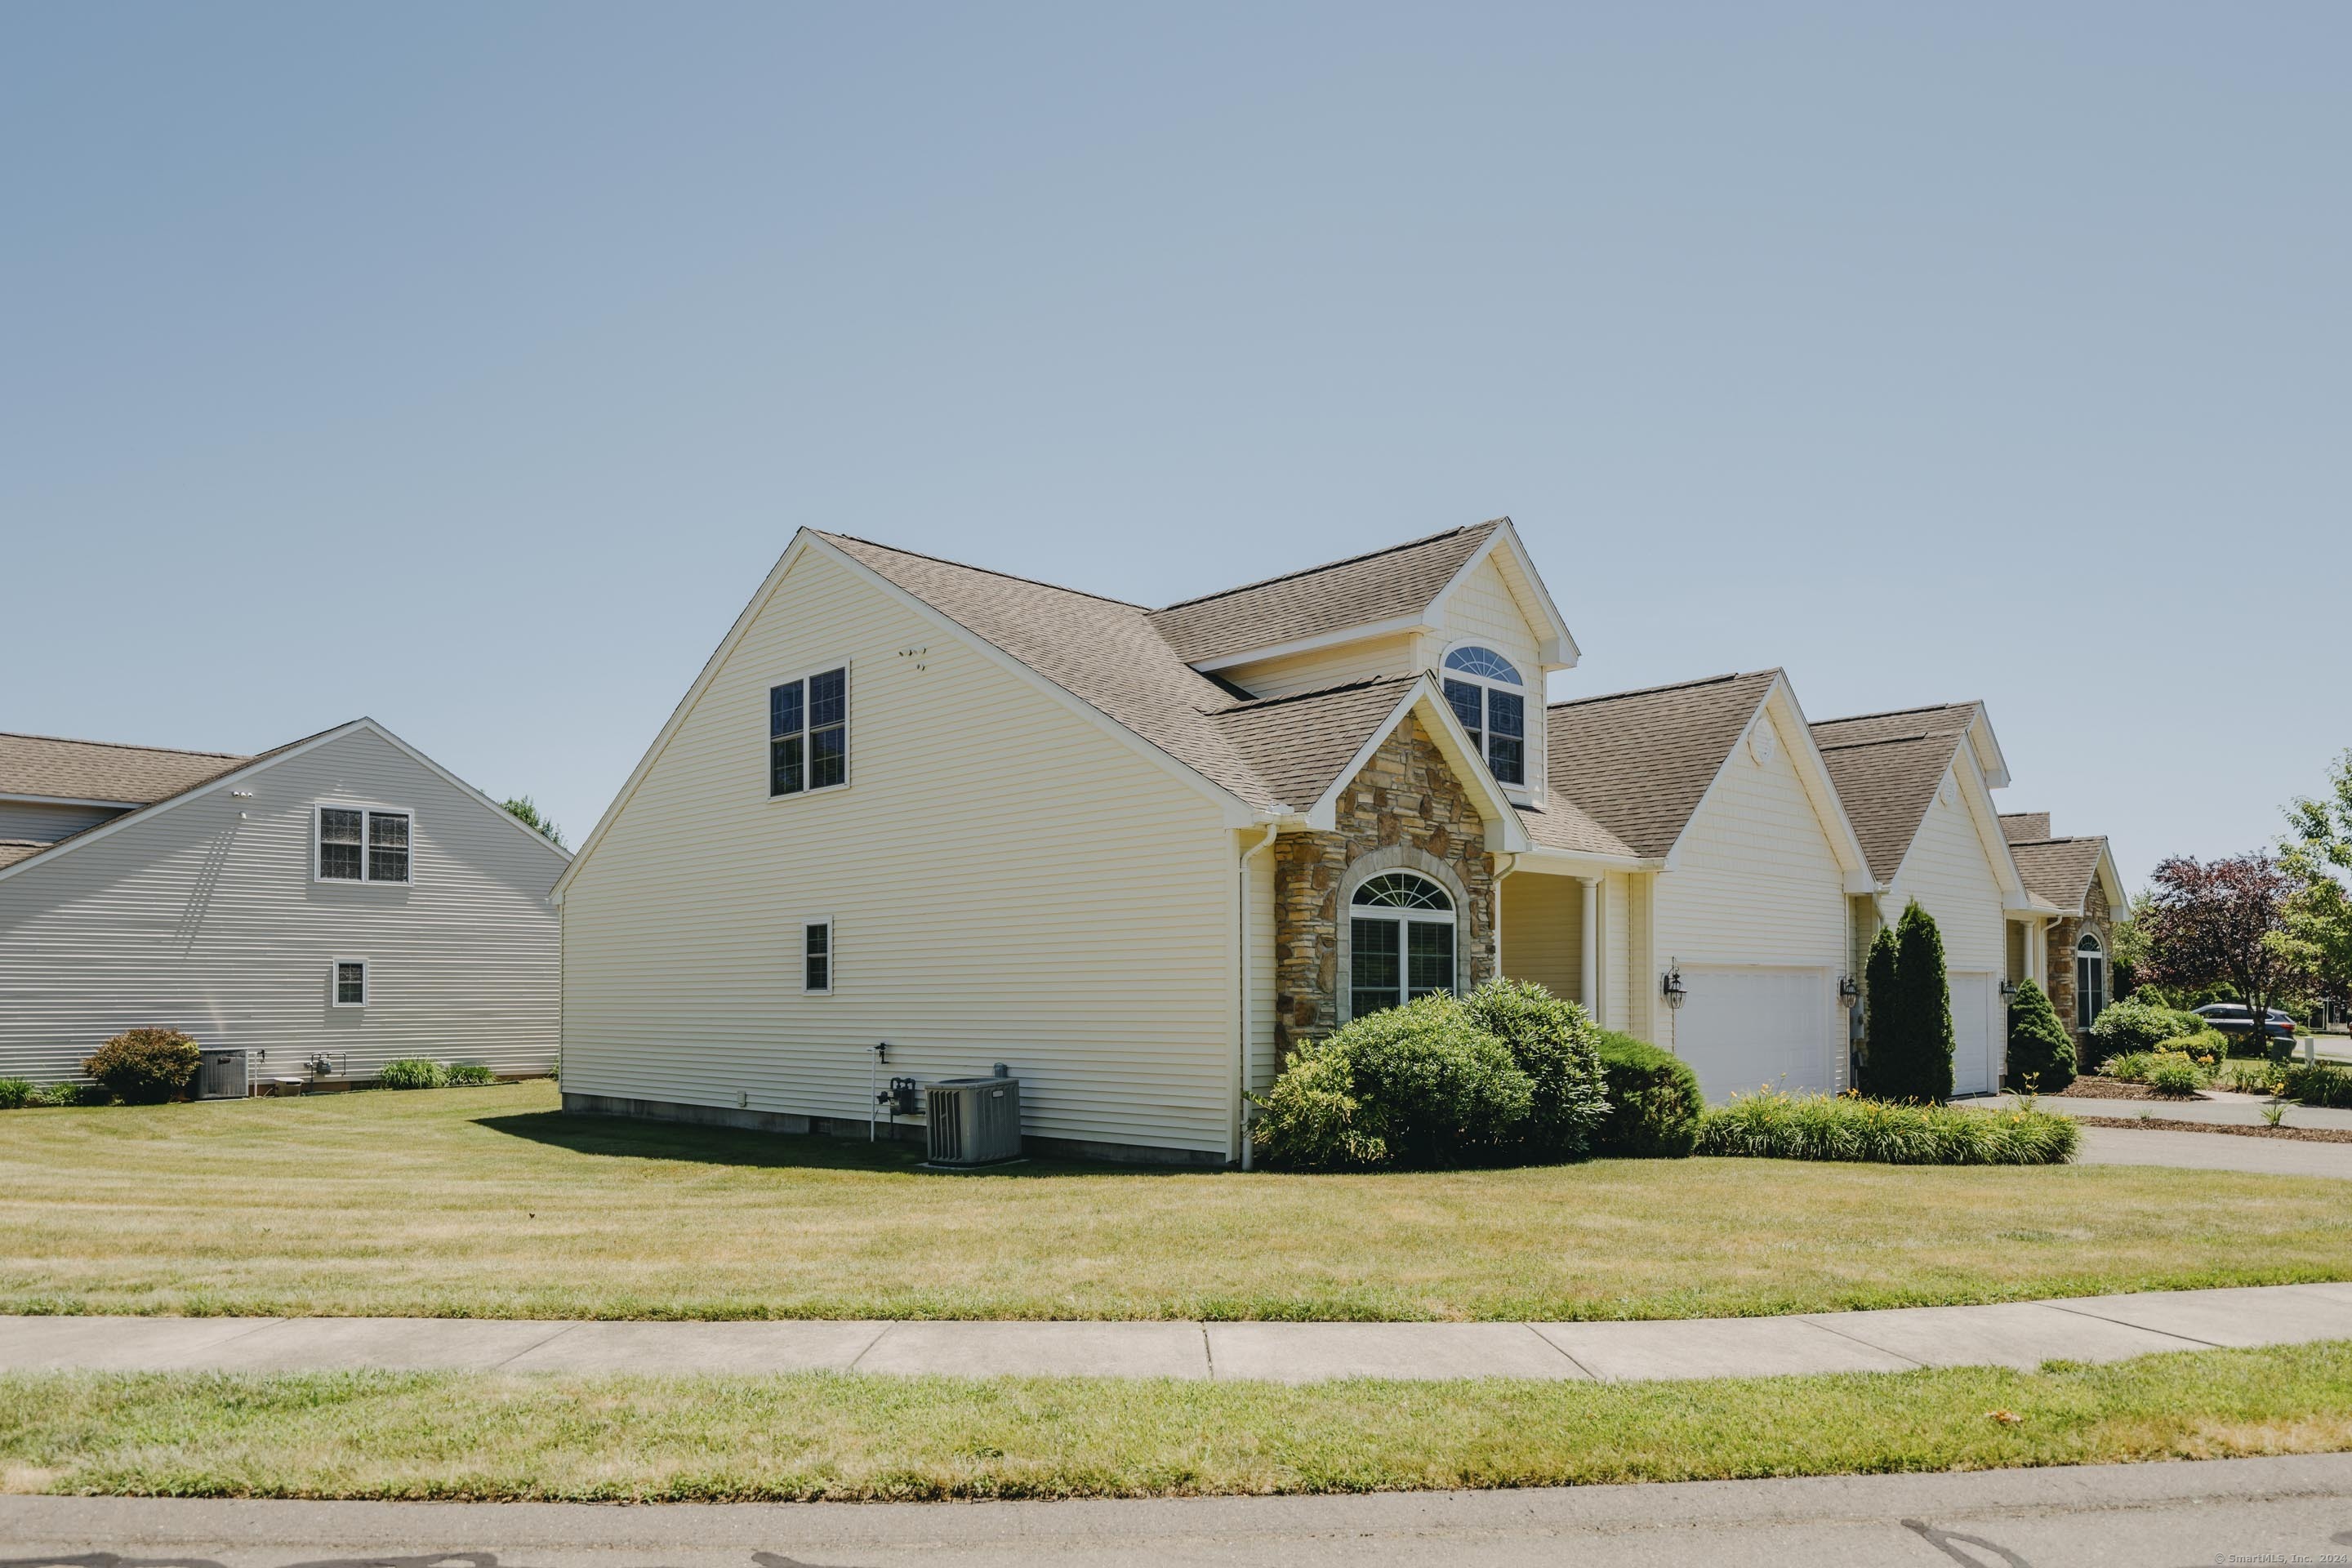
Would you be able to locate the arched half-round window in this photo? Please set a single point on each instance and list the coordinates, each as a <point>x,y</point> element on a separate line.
<point>2090,980</point>
<point>1400,942</point>
<point>1490,698</point>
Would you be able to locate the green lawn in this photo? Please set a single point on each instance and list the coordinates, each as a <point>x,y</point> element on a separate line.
<point>384,1435</point>
<point>492,1202</point>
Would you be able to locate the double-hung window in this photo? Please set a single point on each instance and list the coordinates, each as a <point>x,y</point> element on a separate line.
<point>351,982</point>
<point>816,957</point>
<point>1400,942</point>
<point>808,733</point>
<point>1485,692</point>
<point>361,844</point>
<point>2090,981</point>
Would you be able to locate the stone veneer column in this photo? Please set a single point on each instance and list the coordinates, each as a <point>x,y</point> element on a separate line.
<point>1406,795</point>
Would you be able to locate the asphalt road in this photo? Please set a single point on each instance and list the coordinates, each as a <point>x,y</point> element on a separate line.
<point>2294,1510</point>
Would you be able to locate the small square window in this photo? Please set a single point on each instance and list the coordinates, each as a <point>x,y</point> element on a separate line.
<point>351,982</point>
<point>816,956</point>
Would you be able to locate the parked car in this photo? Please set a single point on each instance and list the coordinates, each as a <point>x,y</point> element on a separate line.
<point>2236,1018</point>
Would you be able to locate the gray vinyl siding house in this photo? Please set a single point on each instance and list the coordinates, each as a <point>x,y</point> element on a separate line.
<point>206,909</point>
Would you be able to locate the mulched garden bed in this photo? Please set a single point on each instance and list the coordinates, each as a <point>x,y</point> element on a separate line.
<point>2174,1124</point>
<point>2105,1089</point>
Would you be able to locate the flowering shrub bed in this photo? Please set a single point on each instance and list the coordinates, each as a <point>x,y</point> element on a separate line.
<point>1780,1126</point>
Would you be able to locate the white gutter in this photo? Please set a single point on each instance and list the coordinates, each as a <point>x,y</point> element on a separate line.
<point>1242,1002</point>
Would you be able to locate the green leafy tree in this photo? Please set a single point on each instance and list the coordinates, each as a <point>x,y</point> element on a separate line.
<point>524,811</point>
<point>2041,1052</point>
<point>1878,988</point>
<point>2317,852</point>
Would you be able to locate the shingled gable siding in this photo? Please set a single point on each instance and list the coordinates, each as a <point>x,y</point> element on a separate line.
<point>204,917</point>
<point>1405,796</point>
<point>1007,882</point>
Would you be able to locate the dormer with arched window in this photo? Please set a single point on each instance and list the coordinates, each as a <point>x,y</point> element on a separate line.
<point>1489,695</point>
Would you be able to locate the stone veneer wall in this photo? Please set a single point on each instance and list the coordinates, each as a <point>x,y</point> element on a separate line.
<point>2064,935</point>
<point>1405,798</point>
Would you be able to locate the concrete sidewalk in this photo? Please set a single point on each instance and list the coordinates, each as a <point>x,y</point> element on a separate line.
<point>2019,1333</point>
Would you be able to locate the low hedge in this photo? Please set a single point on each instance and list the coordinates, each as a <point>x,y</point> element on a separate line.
<point>18,1092</point>
<point>145,1067</point>
<point>2317,1084</point>
<point>1780,1126</point>
<point>470,1075</point>
<point>1655,1103</point>
<point>412,1072</point>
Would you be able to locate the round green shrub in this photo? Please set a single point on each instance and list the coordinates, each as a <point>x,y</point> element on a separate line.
<point>145,1067</point>
<point>2040,1051</point>
<point>1654,1100</point>
<point>1552,1042</point>
<point>2173,1074</point>
<point>412,1072</point>
<point>2133,1024</point>
<point>1419,1085</point>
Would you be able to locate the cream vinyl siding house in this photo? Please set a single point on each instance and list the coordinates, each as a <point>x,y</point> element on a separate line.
<point>205,910</point>
<point>1140,856</point>
<point>1917,784</point>
<point>1006,882</point>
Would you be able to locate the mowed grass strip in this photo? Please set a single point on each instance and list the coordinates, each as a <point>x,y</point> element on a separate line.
<point>492,1202</point>
<point>384,1435</point>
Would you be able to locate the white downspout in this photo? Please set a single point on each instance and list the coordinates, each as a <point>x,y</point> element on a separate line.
<point>1588,978</point>
<point>1242,1005</point>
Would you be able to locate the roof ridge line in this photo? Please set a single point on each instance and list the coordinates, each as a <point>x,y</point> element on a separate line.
<point>1898,712</point>
<point>1364,685</point>
<point>986,570</point>
<point>1882,740</point>
<point>1654,690</point>
<point>118,745</point>
<point>1327,565</point>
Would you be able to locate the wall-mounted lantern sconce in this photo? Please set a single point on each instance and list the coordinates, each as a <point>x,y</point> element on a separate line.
<point>1849,988</point>
<point>1670,985</point>
<point>2009,988</point>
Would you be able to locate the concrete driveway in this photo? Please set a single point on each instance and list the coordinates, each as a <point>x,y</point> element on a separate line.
<point>2214,1152</point>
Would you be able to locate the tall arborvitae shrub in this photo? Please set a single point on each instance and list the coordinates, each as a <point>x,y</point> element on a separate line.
<point>2041,1052</point>
<point>1922,1025</point>
<point>1878,1055</point>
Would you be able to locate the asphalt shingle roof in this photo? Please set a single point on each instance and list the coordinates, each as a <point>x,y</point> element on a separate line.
<point>1887,767</point>
<point>2025,826</point>
<point>1636,764</point>
<point>1382,586</point>
<point>2059,869</point>
<point>100,770</point>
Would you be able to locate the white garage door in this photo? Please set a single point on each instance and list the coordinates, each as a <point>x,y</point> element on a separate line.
<point>1742,1029</point>
<point>1980,1020</point>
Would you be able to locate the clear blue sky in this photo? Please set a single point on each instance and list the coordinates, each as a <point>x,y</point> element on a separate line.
<point>468,366</point>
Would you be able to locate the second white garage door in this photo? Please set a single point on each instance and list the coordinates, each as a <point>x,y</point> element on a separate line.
<point>1742,1029</point>
<point>1980,1020</point>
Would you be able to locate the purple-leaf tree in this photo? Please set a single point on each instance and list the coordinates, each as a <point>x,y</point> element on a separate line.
<point>2208,922</point>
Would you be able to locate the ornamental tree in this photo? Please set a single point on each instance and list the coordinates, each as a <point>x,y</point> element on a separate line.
<point>2225,922</point>
<point>1907,1049</point>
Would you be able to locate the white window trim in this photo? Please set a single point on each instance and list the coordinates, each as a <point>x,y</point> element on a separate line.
<point>832,956</point>
<point>367,866</point>
<point>1532,764</point>
<point>767,748</point>
<point>2089,947</point>
<point>1448,916</point>
<point>335,983</point>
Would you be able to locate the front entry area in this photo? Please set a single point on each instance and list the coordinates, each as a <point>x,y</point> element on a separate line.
<point>1742,1029</point>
